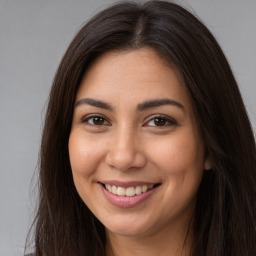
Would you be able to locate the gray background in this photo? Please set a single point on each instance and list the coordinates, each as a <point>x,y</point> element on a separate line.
<point>33,37</point>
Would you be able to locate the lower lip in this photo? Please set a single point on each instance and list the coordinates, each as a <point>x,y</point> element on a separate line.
<point>127,201</point>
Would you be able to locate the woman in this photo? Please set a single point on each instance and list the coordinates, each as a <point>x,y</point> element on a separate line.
<point>147,148</point>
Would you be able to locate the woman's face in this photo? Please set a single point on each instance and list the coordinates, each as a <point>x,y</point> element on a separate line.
<point>136,154</point>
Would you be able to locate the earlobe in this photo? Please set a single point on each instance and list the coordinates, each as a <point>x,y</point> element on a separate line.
<point>207,163</point>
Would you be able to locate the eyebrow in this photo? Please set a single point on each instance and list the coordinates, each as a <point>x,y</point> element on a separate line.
<point>94,103</point>
<point>159,102</point>
<point>141,107</point>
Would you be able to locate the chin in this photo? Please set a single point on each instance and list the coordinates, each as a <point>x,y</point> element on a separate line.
<point>127,228</point>
<point>131,232</point>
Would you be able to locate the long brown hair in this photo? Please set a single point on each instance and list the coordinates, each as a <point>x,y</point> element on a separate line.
<point>225,219</point>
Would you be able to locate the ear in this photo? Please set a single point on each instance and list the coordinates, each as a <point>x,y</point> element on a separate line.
<point>208,163</point>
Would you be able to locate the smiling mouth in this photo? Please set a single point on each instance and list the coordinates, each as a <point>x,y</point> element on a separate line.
<point>130,191</point>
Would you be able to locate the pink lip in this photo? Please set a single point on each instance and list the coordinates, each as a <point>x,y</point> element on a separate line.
<point>127,201</point>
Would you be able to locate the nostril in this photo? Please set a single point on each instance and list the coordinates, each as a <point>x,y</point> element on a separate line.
<point>125,160</point>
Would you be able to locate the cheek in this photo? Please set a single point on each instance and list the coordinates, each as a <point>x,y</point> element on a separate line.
<point>84,154</point>
<point>83,161</point>
<point>180,162</point>
<point>179,155</point>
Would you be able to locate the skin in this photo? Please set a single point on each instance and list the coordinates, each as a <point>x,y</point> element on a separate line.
<point>127,144</point>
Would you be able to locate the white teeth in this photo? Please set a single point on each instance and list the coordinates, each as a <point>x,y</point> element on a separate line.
<point>108,187</point>
<point>114,190</point>
<point>138,190</point>
<point>120,191</point>
<point>131,191</point>
<point>144,188</point>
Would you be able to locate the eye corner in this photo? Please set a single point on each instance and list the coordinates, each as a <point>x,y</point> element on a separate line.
<point>160,121</point>
<point>95,120</point>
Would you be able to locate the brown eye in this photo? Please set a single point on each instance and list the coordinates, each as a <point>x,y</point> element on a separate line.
<point>159,122</point>
<point>98,120</point>
<point>95,120</point>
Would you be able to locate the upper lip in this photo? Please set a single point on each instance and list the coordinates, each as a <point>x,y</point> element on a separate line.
<point>127,184</point>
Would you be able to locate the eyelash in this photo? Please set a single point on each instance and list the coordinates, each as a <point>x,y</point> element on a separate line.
<point>164,121</point>
<point>93,118</point>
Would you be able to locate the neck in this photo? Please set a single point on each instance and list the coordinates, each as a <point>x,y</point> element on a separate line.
<point>167,242</point>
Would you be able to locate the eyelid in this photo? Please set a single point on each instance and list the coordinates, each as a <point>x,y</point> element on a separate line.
<point>90,116</point>
<point>168,119</point>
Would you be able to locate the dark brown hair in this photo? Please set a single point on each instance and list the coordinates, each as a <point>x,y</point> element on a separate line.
<point>225,219</point>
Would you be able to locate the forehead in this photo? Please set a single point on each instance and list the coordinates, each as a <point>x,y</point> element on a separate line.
<point>135,75</point>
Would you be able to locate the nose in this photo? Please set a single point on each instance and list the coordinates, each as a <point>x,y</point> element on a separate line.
<point>125,151</point>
